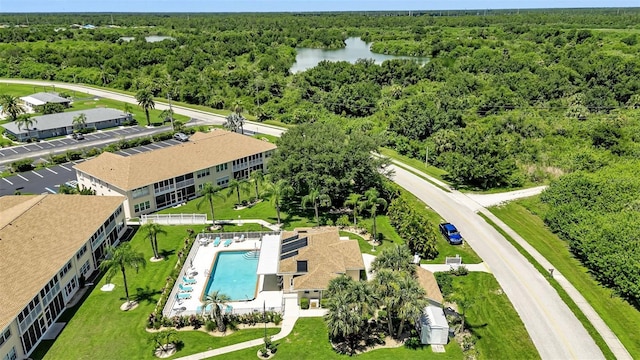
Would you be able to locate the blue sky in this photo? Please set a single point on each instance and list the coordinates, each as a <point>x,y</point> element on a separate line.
<point>287,5</point>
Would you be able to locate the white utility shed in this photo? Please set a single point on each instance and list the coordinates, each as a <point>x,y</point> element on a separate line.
<point>434,328</point>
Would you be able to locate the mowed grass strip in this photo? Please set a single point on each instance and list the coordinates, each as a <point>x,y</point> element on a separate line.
<point>100,330</point>
<point>613,310</point>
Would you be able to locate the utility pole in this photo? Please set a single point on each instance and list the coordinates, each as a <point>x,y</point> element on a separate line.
<point>170,111</point>
<point>426,158</point>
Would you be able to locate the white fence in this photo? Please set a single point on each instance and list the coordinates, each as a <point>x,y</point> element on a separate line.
<point>174,219</point>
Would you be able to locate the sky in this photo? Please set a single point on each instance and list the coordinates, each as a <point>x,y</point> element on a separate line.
<point>290,5</point>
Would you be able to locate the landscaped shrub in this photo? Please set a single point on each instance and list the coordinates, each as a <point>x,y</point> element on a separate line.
<point>210,325</point>
<point>343,221</point>
<point>324,303</point>
<point>22,165</point>
<point>304,303</point>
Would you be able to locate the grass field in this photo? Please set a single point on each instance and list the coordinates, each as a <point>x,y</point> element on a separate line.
<point>98,329</point>
<point>415,163</point>
<point>615,312</point>
<point>309,340</point>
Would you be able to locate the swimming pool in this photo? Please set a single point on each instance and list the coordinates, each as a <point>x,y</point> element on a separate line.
<point>234,274</point>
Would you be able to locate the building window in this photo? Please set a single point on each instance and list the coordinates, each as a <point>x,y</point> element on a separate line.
<point>200,186</point>
<point>222,167</point>
<point>81,252</point>
<point>139,192</point>
<point>223,181</point>
<point>65,270</point>
<point>142,206</point>
<point>85,268</point>
<point>5,336</point>
<point>203,173</point>
<point>11,355</point>
<point>71,285</point>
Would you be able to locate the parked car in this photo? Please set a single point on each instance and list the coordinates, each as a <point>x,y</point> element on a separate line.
<point>78,136</point>
<point>450,233</point>
<point>180,137</point>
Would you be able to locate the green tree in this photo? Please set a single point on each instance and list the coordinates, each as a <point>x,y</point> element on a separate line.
<point>257,178</point>
<point>396,258</point>
<point>235,122</point>
<point>216,301</point>
<point>236,186</point>
<point>354,201</point>
<point>411,302</point>
<point>344,321</point>
<point>386,286</point>
<point>25,121</point>
<point>145,101</point>
<point>373,202</point>
<point>120,258</point>
<point>153,229</point>
<point>80,121</point>
<point>11,106</point>
<point>278,192</point>
<point>317,200</point>
<point>166,116</point>
<point>162,339</point>
<point>209,192</point>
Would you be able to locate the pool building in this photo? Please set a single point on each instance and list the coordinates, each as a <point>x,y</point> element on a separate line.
<point>259,270</point>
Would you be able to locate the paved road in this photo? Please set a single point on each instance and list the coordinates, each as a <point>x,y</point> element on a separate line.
<point>50,178</point>
<point>555,331</point>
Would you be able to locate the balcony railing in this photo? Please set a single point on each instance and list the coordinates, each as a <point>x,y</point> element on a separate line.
<point>185,183</point>
<point>164,189</point>
<point>247,164</point>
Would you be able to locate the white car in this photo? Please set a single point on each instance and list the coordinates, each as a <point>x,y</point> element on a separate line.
<point>180,137</point>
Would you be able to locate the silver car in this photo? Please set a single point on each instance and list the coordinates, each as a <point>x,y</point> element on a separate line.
<point>180,137</point>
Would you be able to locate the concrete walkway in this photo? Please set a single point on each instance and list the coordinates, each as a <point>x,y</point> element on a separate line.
<point>481,267</point>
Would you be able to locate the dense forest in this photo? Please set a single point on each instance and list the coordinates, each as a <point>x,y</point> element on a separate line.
<point>506,99</point>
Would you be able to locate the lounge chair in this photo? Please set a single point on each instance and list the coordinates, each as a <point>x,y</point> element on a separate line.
<point>227,243</point>
<point>216,242</point>
<point>183,296</point>
<point>188,281</point>
<point>241,238</point>
<point>185,288</point>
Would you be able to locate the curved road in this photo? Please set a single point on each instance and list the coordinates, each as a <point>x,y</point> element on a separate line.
<point>555,331</point>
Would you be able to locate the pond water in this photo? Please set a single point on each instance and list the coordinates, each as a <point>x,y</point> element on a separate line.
<point>355,49</point>
<point>150,39</point>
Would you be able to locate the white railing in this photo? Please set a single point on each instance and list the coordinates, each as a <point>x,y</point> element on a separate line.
<point>174,219</point>
<point>184,183</point>
<point>164,189</point>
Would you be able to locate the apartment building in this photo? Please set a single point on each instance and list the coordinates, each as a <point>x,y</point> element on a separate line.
<point>48,244</point>
<point>158,179</point>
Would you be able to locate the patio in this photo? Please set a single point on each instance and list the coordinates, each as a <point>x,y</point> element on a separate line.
<point>198,267</point>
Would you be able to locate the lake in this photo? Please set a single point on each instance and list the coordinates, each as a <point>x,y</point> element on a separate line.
<point>355,49</point>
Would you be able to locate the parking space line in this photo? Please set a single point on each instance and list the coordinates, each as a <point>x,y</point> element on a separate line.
<point>66,168</point>
<point>146,147</point>
<point>22,177</point>
<point>26,148</point>
<point>136,150</point>
<point>52,171</point>
<point>37,174</point>
<point>122,151</point>
<point>38,146</point>
<point>156,145</point>
<point>62,141</point>
<point>51,191</point>
<point>126,131</point>
<point>1,153</point>
<point>10,183</point>
<point>13,150</point>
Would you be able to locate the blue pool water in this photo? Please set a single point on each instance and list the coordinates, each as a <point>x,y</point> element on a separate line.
<point>234,274</point>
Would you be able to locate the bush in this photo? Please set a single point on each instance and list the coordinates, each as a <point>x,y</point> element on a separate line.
<point>324,303</point>
<point>210,325</point>
<point>343,221</point>
<point>304,303</point>
<point>22,165</point>
<point>87,130</point>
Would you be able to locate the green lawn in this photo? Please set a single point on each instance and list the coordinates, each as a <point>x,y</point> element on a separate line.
<point>309,340</point>
<point>493,320</point>
<point>415,163</point>
<point>98,329</point>
<point>615,312</point>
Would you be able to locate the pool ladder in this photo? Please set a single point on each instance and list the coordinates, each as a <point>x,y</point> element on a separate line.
<point>253,254</point>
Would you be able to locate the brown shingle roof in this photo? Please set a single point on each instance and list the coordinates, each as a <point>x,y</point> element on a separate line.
<point>202,151</point>
<point>38,235</point>
<point>327,256</point>
<point>429,284</point>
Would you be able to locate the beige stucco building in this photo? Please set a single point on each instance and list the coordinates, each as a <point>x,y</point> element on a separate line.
<point>310,258</point>
<point>47,244</point>
<point>158,179</point>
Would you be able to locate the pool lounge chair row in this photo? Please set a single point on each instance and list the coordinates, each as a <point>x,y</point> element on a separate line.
<point>183,296</point>
<point>184,289</point>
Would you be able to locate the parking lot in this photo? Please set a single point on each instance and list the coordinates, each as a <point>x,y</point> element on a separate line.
<point>51,144</point>
<point>48,180</point>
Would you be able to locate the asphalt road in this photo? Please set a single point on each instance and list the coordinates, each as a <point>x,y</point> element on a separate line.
<point>49,179</point>
<point>554,329</point>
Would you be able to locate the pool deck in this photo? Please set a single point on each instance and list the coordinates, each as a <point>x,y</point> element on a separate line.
<point>202,263</point>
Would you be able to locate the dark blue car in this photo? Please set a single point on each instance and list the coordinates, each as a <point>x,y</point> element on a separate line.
<point>451,233</point>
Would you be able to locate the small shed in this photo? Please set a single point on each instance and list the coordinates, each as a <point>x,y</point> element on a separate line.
<point>434,329</point>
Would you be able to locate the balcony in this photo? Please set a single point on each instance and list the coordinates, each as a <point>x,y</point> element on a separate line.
<point>185,183</point>
<point>164,189</point>
<point>247,165</point>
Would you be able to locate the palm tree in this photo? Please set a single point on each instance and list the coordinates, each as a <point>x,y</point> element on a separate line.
<point>344,321</point>
<point>26,121</point>
<point>80,121</point>
<point>209,192</point>
<point>316,199</point>
<point>120,258</point>
<point>373,202</point>
<point>162,339</point>
<point>354,200</point>
<point>166,115</point>
<point>11,106</point>
<point>153,229</point>
<point>397,258</point>
<point>257,177</point>
<point>235,186</point>
<point>127,108</point>
<point>235,122</point>
<point>216,300</point>
<point>278,192</point>
<point>362,293</point>
<point>145,101</point>
<point>411,302</point>
<point>386,287</point>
